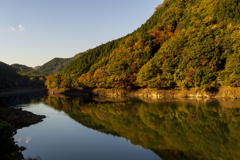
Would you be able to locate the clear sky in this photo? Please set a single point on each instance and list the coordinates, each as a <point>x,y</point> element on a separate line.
<point>33,32</point>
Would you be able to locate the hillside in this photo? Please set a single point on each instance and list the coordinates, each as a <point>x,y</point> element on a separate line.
<point>36,67</point>
<point>22,67</point>
<point>27,71</point>
<point>185,44</point>
<point>7,71</point>
<point>57,64</point>
<point>9,78</point>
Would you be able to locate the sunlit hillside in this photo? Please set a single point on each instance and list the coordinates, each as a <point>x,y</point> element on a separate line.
<point>185,44</point>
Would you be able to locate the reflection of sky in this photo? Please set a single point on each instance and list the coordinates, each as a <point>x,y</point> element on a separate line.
<point>28,139</point>
<point>60,137</point>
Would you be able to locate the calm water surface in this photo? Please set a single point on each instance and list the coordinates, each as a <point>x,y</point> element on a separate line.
<point>130,129</point>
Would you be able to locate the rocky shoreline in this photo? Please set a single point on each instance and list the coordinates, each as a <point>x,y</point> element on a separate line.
<point>148,93</point>
<point>18,119</point>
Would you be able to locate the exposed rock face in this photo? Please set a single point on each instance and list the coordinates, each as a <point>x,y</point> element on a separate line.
<point>222,92</point>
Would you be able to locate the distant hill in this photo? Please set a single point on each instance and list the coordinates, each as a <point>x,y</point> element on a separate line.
<point>58,64</point>
<point>36,67</point>
<point>55,65</point>
<point>8,71</point>
<point>22,67</point>
<point>27,71</point>
<point>10,77</point>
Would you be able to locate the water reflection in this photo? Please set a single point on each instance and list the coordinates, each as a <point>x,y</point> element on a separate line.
<point>28,139</point>
<point>179,129</point>
<point>173,129</point>
<point>26,98</point>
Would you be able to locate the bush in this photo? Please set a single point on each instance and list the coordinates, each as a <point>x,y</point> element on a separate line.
<point>6,140</point>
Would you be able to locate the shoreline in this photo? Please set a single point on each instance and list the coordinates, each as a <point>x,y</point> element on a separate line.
<point>148,93</point>
<point>17,119</point>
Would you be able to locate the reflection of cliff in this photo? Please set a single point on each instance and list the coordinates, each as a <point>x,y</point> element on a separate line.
<point>173,130</point>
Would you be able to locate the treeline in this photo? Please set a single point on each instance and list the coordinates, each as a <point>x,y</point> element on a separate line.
<point>185,44</point>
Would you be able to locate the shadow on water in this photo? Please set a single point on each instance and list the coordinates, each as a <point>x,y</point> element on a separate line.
<point>26,98</point>
<point>173,129</point>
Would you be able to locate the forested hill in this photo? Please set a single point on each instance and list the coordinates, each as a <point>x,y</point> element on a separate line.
<point>7,71</point>
<point>21,67</point>
<point>27,71</point>
<point>57,64</point>
<point>9,78</point>
<point>186,43</point>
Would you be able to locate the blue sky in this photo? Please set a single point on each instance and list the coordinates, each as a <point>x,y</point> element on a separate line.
<point>33,32</point>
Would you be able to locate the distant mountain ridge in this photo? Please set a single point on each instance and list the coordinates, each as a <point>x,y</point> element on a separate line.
<point>55,65</point>
<point>27,71</point>
<point>58,64</point>
<point>22,67</point>
<point>36,67</point>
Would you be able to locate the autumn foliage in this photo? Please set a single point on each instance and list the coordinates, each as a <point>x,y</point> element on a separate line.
<point>185,44</point>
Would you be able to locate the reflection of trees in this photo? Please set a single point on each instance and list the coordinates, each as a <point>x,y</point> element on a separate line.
<point>26,98</point>
<point>173,130</point>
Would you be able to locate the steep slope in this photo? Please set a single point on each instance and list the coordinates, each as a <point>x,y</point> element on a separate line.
<point>27,71</point>
<point>186,43</point>
<point>80,54</point>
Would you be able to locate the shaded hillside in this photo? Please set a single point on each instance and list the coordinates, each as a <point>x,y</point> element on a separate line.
<point>7,71</point>
<point>186,43</point>
<point>27,71</point>
<point>9,78</point>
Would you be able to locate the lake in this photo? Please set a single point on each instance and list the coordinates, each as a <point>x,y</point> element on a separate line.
<point>143,129</point>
